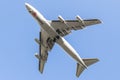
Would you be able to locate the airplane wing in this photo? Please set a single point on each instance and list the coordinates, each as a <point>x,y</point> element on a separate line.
<point>65,27</point>
<point>45,45</point>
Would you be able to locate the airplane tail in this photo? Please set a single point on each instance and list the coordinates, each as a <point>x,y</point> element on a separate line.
<point>88,62</point>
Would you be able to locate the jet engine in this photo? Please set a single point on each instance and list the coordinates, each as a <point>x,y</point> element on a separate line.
<point>61,19</point>
<point>80,20</point>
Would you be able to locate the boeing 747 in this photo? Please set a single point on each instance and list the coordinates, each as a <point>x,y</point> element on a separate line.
<point>53,31</point>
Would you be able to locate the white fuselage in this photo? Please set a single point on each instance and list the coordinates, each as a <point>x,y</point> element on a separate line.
<point>53,34</point>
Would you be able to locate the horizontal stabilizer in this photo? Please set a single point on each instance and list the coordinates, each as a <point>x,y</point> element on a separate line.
<point>88,62</point>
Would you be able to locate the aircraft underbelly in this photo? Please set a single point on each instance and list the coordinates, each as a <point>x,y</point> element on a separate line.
<point>68,48</point>
<point>49,29</point>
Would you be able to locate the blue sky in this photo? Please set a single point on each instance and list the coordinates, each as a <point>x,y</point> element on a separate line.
<point>18,30</point>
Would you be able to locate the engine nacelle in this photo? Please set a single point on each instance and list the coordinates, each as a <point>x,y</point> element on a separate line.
<point>61,19</point>
<point>80,19</point>
<point>37,41</point>
<point>37,56</point>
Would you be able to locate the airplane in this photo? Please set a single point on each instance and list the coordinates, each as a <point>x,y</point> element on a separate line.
<point>53,31</point>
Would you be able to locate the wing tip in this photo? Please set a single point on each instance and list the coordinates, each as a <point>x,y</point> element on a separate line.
<point>99,21</point>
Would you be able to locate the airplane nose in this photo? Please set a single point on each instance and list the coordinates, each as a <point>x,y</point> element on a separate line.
<point>27,6</point>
